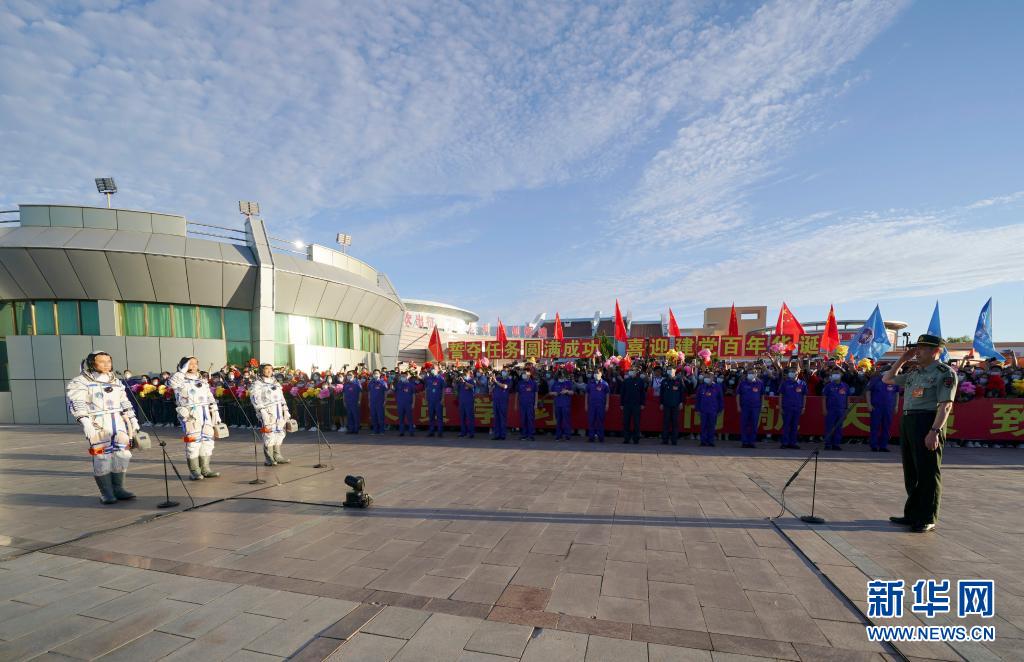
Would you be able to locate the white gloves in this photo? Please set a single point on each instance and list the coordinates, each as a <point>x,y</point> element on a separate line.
<point>91,433</point>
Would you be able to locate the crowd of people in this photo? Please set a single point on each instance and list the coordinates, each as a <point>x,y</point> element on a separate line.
<point>325,399</point>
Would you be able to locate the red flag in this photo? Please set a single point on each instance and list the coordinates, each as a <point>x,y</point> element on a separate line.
<point>788,325</point>
<point>830,339</point>
<point>502,337</point>
<point>558,328</point>
<point>673,328</point>
<point>734,324</point>
<point>620,326</point>
<point>435,346</point>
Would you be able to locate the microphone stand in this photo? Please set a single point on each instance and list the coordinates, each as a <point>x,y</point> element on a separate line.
<point>319,436</point>
<point>812,518</point>
<point>255,439</point>
<point>166,503</point>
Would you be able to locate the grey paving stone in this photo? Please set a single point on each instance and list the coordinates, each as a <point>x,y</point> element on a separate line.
<point>110,636</point>
<point>548,645</point>
<point>663,653</point>
<point>500,639</point>
<point>603,649</point>
<point>150,646</point>
<point>442,637</point>
<point>201,620</point>
<point>397,622</point>
<point>46,638</point>
<point>287,637</point>
<point>575,594</point>
<point>365,647</point>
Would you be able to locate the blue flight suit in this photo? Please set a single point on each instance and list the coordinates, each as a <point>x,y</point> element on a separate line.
<point>597,400</point>
<point>435,403</point>
<point>563,408</point>
<point>836,395</point>
<point>378,390</point>
<point>710,403</point>
<point>794,392</point>
<point>883,402</point>
<point>404,393</point>
<point>527,391</point>
<point>350,392</point>
<point>499,406</point>
<point>467,415</point>
<point>672,394</point>
<point>751,396</point>
<point>633,399</point>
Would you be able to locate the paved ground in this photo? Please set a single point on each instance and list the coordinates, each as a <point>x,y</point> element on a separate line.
<point>487,551</point>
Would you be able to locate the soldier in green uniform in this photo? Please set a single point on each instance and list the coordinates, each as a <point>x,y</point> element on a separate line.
<point>927,401</point>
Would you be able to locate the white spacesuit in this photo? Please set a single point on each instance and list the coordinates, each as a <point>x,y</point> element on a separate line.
<point>268,400</point>
<point>99,402</point>
<point>198,414</point>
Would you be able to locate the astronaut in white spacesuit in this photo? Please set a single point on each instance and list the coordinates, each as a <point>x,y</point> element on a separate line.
<point>97,399</point>
<point>268,400</point>
<point>198,415</point>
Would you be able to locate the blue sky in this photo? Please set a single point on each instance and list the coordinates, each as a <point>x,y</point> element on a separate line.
<point>514,158</point>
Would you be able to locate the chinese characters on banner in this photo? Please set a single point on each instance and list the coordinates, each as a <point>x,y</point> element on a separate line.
<point>724,347</point>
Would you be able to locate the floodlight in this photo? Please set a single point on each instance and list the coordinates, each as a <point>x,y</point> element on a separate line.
<point>356,498</point>
<point>107,187</point>
<point>249,208</point>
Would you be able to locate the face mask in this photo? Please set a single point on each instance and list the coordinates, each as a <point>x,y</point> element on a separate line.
<point>504,373</point>
<point>404,378</point>
<point>791,375</point>
<point>751,377</point>
<point>671,374</point>
<point>983,380</point>
<point>376,376</point>
<point>597,376</point>
<point>631,373</point>
<point>835,377</point>
<point>707,380</point>
<point>433,372</point>
<point>719,380</point>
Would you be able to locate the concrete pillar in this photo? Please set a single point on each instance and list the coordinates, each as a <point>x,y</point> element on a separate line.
<point>259,242</point>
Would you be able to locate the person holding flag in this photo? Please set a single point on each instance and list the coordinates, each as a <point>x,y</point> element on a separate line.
<point>929,392</point>
<point>749,401</point>
<point>835,396</point>
<point>434,385</point>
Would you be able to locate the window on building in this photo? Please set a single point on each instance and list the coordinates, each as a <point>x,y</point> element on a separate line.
<point>282,354</point>
<point>46,319</point>
<point>345,335</point>
<point>67,318</point>
<point>158,320</point>
<point>316,331</point>
<point>237,325</point>
<point>7,325</point>
<point>133,319</point>
<point>90,317</point>
<point>281,328</point>
<point>210,325</point>
<point>369,340</point>
<point>184,321</point>
<point>330,333</point>
<point>5,381</point>
<point>239,353</point>
<point>23,318</point>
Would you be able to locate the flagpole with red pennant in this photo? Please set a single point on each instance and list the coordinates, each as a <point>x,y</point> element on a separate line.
<point>435,346</point>
<point>673,327</point>
<point>502,336</point>
<point>734,323</point>
<point>620,328</point>
<point>788,325</point>
<point>558,328</point>
<point>830,338</point>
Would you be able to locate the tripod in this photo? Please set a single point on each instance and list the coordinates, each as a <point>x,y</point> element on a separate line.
<point>166,503</point>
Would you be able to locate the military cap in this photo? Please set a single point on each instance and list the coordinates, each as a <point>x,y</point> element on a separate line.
<point>928,340</point>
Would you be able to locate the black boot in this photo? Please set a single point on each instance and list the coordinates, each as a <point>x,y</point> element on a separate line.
<point>118,484</point>
<point>106,485</point>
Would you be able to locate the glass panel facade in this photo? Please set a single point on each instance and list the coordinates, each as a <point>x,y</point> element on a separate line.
<point>90,316</point>
<point>67,318</point>
<point>281,328</point>
<point>330,333</point>
<point>210,325</point>
<point>345,335</point>
<point>316,331</point>
<point>133,319</point>
<point>237,324</point>
<point>6,319</point>
<point>5,382</point>
<point>239,353</point>
<point>282,354</point>
<point>23,318</point>
<point>46,319</point>
<point>158,320</point>
<point>184,321</point>
<point>369,339</point>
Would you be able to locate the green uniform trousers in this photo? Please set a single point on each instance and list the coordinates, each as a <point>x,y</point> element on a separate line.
<point>922,468</point>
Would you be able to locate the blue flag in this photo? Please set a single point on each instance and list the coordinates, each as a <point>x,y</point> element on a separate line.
<point>871,341</point>
<point>935,329</point>
<point>983,334</point>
